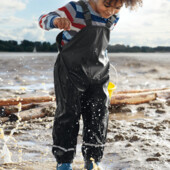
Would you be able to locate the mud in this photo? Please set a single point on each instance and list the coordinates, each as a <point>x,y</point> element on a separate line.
<point>138,135</point>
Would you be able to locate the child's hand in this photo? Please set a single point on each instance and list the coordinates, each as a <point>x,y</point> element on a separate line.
<point>62,23</point>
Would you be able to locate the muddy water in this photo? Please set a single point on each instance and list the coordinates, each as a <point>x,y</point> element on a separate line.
<point>138,135</point>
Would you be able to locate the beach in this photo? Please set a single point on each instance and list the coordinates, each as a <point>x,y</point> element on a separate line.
<point>138,135</point>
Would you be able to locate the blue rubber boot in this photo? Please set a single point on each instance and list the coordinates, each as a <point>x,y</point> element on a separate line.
<point>89,165</point>
<point>64,166</point>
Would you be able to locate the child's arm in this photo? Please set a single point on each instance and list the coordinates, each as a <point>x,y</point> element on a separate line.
<point>61,18</point>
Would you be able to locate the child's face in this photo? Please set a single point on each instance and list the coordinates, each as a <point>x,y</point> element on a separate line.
<point>105,9</point>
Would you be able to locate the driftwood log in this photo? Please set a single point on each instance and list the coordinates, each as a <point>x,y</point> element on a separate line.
<point>29,114</point>
<point>132,98</point>
<point>28,100</point>
<point>126,97</point>
<point>14,109</point>
<point>141,96</point>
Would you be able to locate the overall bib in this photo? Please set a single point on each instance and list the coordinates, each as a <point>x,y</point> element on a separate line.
<point>81,75</point>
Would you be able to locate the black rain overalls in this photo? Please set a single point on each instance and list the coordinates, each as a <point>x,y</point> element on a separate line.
<point>81,75</point>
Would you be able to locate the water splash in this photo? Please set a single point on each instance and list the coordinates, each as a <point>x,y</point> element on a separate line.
<point>95,166</point>
<point>6,155</point>
<point>116,74</point>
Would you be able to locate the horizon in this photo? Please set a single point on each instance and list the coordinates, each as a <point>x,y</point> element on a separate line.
<point>51,43</point>
<point>147,26</point>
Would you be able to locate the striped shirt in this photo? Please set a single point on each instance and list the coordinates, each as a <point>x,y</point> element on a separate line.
<point>74,12</point>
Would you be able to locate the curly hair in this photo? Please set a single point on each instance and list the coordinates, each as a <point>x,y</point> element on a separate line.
<point>132,4</point>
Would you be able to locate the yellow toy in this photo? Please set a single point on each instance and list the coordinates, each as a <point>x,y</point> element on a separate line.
<point>111,89</point>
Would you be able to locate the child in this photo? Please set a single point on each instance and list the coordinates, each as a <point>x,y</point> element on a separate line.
<point>81,75</point>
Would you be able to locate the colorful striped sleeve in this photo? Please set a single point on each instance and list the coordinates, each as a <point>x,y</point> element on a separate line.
<point>67,11</point>
<point>115,22</point>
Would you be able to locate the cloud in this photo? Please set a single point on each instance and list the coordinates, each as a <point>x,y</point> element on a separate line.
<point>8,20</point>
<point>12,20</point>
<point>17,28</point>
<point>11,6</point>
<point>32,32</point>
<point>146,26</point>
<point>29,31</point>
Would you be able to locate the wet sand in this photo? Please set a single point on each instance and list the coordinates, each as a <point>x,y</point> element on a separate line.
<point>138,135</point>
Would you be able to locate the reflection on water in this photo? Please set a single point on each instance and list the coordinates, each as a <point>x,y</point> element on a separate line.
<point>26,143</point>
<point>22,55</point>
<point>128,116</point>
<point>144,56</point>
<point>32,87</point>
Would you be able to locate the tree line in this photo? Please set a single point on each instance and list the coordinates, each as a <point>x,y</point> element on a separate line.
<point>29,46</point>
<point>144,49</point>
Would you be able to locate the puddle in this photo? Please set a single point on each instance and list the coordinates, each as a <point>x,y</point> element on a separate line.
<point>26,143</point>
<point>129,117</point>
<point>40,86</point>
<point>35,78</point>
<point>31,156</point>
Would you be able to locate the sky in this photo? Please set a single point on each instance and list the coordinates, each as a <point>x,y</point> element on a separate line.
<point>146,26</point>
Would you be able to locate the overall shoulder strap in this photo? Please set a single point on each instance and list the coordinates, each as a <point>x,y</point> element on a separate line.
<point>58,40</point>
<point>110,21</point>
<point>86,12</point>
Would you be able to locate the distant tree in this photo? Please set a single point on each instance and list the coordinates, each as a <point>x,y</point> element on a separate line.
<point>54,48</point>
<point>27,46</point>
<point>46,46</point>
<point>27,43</point>
<point>162,49</point>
